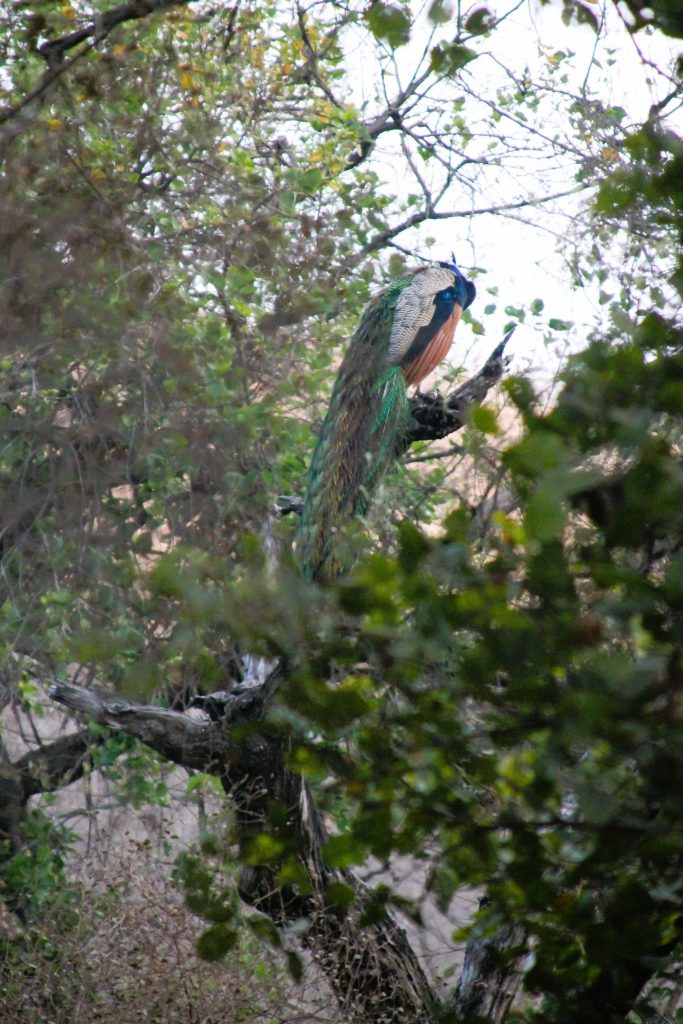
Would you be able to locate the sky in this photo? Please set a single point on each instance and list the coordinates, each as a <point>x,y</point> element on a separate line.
<point>526,255</point>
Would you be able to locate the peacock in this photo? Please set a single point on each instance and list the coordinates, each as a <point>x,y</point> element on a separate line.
<point>404,333</point>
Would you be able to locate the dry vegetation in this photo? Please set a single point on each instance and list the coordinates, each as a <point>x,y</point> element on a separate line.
<point>120,949</point>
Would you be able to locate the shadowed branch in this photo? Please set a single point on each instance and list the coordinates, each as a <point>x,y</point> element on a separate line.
<point>187,741</point>
<point>434,417</point>
<point>373,970</point>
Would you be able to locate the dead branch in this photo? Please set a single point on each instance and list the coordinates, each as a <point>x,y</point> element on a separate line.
<point>180,738</point>
<point>434,417</point>
<point>373,970</point>
<point>55,764</point>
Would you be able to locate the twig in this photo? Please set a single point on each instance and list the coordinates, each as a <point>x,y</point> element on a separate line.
<point>388,120</point>
<point>455,449</point>
<point>381,239</point>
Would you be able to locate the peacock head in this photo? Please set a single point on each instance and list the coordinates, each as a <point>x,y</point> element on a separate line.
<point>426,314</point>
<point>464,291</point>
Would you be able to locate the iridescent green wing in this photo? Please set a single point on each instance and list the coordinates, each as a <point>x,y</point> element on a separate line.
<point>355,442</point>
<point>387,429</point>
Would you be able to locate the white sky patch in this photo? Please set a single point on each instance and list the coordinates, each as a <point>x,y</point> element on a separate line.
<point>525,253</point>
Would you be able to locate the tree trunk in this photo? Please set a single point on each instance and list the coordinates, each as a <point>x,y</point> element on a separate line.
<point>372,970</point>
<point>491,974</point>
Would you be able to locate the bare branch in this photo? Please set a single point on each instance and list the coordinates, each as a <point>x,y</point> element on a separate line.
<point>454,449</point>
<point>388,120</point>
<point>429,213</point>
<point>310,68</point>
<point>434,417</point>
<point>55,764</point>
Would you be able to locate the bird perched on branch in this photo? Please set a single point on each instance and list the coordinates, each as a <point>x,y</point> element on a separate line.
<point>404,333</point>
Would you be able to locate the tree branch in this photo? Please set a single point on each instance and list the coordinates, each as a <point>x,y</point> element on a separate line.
<point>386,121</point>
<point>184,740</point>
<point>433,417</point>
<point>384,237</point>
<point>310,68</point>
<point>54,52</point>
<point>373,970</point>
<point>55,764</point>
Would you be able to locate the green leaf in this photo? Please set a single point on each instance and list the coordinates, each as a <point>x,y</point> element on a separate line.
<point>264,849</point>
<point>537,452</point>
<point>413,546</point>
<point>449,58</point>
<point>165,578</point>
<point>585,15</point>
<point>309,181</point>
<point>294,965</point>
<point>265,930</point>
<point>484,419</point>
<point>61,597</point>
<point>517,312</point>
<point>440,12</point>
<point>559,325</point>
<point>344,851</point>
<point>388,22</point>
<point>340,895</point>
<point>545,516</point>
<point>480,21</point>
<point>216,941</point>
<point>673,581</point>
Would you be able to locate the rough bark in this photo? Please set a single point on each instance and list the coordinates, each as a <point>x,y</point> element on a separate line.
<point>491,975</point>
<point>55,764</point>
<point>42,770</point>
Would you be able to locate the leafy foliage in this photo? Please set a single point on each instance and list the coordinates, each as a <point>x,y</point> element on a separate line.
<point>34,876</point>
<point>528,739</point>
<point>185,241</point>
